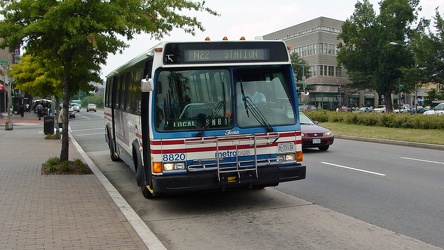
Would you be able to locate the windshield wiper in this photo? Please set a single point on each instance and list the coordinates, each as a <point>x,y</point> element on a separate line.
<point>244,99</point>
<point>249,105</point>
<point>210,117</point>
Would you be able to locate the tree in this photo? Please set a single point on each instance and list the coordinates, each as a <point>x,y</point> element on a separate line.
<point>369,48</point>
<point>31,75</point>
<point>428,47</point>
<point>301,71</point>
<point>74,37</point>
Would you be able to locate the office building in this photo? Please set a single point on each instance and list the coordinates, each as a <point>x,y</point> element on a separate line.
<point>316,42</point>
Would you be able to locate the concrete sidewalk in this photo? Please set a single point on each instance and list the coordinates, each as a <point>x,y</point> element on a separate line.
<point>54,211</point>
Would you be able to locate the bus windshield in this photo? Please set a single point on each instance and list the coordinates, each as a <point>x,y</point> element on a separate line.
<point>263,99</point>
<point>200,99</point>
<point>193,99</point>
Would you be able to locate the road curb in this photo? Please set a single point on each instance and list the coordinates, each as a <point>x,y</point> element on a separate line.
<point>392,142</point>
<point>148,237</point>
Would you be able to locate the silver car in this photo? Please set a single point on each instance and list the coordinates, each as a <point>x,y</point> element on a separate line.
<point>438,110</point>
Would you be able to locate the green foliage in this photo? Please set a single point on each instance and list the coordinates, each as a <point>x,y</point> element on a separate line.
<point>32,76</point>
<point>74,37</point>
<point>82,166</point>
<point>428,47</point>
<point>388,120</point>
<point>55,136</point>
<point>372,48</point>
<point>54,166</point>
<point>53,161</point>
<point>97,100</point>
<point>300,66</point>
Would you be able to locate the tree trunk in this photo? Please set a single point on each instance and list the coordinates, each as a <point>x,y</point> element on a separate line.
<point>388,101</point>
<point>64,154</point>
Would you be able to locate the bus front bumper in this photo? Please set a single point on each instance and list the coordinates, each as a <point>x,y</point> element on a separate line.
<point>209,180</point>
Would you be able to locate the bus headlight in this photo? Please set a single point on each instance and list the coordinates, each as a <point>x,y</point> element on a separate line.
<point>286,157</point>
<point>171,166</point>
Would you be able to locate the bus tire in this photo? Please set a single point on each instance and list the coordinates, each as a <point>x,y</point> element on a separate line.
<point>140,179</point>
<point>146,193</point>
<point>112,151</point>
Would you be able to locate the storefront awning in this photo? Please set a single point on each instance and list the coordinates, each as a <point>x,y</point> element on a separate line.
<point>2,88</point>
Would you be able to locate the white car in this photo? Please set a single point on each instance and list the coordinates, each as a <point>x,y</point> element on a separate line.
<point>76,106</point>
<point>402,109</point>
<point>438,110</point>
<point>91,107</point>
<point>380,109</point>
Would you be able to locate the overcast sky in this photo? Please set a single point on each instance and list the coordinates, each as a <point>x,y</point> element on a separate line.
<point>254,18</point>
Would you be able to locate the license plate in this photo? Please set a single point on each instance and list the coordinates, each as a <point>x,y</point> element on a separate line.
<point>316,141</point>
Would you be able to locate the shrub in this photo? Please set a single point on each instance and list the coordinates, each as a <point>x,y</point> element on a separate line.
<point>389,120</point>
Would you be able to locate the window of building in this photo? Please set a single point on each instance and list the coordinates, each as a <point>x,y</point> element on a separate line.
<point>331,49</point>
<point>331,70</point>
<point>313,70</point>
<point>339,71</point>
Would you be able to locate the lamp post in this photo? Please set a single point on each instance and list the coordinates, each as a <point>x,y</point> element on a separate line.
<point>399,93</point>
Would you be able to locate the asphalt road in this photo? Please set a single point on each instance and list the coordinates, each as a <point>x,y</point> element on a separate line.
<point>357,195</point>
<point>395,187</point>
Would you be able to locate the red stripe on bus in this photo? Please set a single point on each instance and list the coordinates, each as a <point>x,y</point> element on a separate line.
<point>182,141</point>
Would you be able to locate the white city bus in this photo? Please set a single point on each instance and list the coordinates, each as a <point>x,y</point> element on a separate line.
<point>182,118</point>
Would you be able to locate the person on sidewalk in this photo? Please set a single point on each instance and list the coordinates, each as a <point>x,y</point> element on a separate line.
<point>60,119</point>
<point>39,110</point>
<point>22,110</point>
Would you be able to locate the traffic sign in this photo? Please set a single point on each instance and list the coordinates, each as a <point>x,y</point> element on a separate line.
<point>4,63</point>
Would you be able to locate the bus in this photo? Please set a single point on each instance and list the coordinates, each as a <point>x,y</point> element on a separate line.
<point>181,117</point>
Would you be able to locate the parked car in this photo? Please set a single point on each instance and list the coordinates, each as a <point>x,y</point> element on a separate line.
<point>76,106</point>
<point>363,110</point>
<point>438,110</point>
<point>91,107</point>
<point>417,110</point>
<point>402,109</point>
<point>380,109</point>
<point>313,135</point>
<point>71,112</point>
<point>307,107</point>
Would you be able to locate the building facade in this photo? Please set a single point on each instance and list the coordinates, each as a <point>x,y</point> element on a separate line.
<point>8,58</point>
<point>316,42</point>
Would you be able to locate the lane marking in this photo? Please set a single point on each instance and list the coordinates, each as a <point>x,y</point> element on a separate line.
<point>414,159</point>
<point>90,134</point>
<point>77,130</point>
<point>350,168</point>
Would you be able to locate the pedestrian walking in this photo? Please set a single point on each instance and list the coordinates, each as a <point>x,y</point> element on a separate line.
<point>60,119</point>
<point>40,110</point>
<point>22,110</point>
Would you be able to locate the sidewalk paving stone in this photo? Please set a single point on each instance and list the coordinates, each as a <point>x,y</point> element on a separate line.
<point>53,211</point>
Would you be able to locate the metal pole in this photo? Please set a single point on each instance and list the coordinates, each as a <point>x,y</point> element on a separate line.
<point>416,98</point>
<point>399,94</point>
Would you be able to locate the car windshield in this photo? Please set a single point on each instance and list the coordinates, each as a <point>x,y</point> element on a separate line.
<point>304,119</point>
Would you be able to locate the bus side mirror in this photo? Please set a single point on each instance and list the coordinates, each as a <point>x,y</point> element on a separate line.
<point>147,85</point>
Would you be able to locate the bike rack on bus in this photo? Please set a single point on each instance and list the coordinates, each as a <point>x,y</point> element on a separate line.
<point>242,162</point>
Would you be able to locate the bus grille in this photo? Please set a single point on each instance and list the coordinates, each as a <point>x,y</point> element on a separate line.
<point>237,163</point>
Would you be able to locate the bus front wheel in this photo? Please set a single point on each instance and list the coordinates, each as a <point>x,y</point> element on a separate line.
<point>112,152</point>
<point>146,193</point>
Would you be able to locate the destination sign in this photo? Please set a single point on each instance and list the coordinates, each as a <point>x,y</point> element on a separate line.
<point>216,55</point>
<point>225,52</point>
